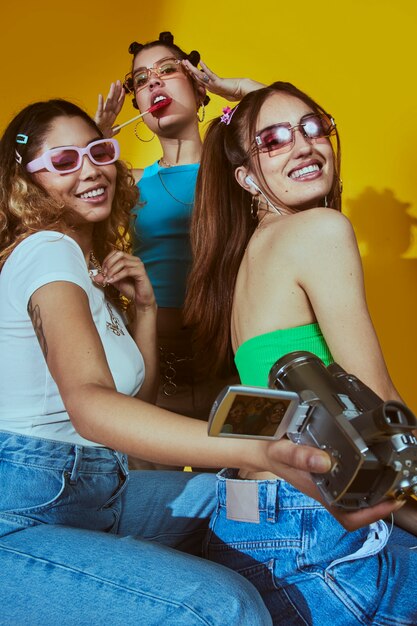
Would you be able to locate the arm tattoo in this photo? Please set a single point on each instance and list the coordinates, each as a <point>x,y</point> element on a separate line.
<point>35,316</point>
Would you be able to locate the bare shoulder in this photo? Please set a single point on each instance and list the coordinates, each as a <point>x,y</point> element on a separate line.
<point>321,228</point>
<point>309,228</point>
<point>305,239</point>
<point>322,222</point>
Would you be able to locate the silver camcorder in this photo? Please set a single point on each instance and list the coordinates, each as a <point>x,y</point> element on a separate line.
<point>370,442</point>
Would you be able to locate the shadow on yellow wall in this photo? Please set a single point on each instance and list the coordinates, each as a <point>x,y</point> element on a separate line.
<point>385,233</point>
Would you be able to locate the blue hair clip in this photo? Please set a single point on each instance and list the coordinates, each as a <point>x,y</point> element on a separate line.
<point>21,138</point>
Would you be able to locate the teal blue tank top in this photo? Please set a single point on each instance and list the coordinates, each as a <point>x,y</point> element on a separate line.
<point>161,229</point>
<point>255,357</point>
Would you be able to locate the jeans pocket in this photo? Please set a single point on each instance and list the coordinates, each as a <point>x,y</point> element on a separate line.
<point>357,579</point>
<point>29,489</point>
<point>28,493</point>
<point>376,540</point>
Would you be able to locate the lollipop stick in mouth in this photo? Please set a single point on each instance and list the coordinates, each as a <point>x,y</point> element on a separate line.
<point>154,107</point>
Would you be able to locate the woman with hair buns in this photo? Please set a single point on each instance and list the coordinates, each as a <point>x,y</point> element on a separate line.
<point>162,73</point>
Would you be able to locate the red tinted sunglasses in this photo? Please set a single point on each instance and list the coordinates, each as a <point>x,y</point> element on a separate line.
<point>280,137</point>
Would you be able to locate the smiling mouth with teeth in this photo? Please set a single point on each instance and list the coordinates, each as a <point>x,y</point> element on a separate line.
<point>93,193</point>
<point>309,169</point>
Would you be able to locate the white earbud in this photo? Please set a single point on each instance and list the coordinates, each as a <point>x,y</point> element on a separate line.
<point>250,181</point>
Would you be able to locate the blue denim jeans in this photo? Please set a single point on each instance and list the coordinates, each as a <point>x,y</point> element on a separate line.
<point>82,542</point>
<point>307,567</point>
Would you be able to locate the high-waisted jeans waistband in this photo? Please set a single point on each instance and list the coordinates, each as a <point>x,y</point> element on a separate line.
<point>53,454</point>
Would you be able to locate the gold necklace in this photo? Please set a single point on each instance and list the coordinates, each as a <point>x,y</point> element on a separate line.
<point>96,265</point>
<point>164,163</point>
<point>189,204</point>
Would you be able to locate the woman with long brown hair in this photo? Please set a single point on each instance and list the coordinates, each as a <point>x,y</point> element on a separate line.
<point>277,269</point>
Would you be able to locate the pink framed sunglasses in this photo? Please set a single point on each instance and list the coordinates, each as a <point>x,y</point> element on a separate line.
<point>70,158</point>
<point>280,137</point>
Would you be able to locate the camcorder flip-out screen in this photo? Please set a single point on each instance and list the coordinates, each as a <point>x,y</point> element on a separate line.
<point>255,412</point>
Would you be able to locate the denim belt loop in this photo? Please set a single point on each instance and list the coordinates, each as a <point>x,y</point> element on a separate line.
<point>122,461</point>
<point>77,461</point>
<point>271,501</point>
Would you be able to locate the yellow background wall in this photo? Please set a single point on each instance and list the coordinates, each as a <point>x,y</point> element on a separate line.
<point>356,58</point>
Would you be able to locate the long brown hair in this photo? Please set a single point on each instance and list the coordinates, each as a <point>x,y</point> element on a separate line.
<point>26,208</point>
<point>222,225</point>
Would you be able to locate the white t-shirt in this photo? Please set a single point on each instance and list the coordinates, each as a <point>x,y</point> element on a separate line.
<point>30,402</point>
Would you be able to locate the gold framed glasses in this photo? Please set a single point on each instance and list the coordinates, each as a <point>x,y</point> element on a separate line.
<point>138,79</point>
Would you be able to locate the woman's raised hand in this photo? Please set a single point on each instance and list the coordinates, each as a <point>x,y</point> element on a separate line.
<point>127,273</point>
<point>109,109</point>
<point>232,89</point>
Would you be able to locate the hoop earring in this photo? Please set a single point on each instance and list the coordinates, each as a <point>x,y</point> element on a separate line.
<point>254,207</point>
<point>340,186</point>
<point>140,138</point>
<point>203,113</point>
<point>325,202</point>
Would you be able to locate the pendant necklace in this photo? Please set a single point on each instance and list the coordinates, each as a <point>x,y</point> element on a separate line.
<point>114,324</point>
<point>166,164</point>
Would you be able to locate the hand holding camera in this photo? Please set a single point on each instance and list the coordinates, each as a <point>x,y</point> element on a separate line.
<point>370,442</point>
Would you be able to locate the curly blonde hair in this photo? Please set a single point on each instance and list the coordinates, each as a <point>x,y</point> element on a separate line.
<point>26,208</point>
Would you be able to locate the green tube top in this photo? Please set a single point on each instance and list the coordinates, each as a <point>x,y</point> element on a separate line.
<point>255,357</point>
